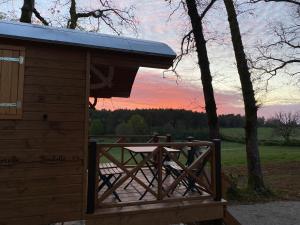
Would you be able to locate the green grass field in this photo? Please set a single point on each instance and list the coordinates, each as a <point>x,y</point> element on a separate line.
<point>234,154</point>
<point>264,133</point>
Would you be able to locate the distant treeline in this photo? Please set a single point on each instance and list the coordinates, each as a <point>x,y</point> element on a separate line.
<point>180,123</point>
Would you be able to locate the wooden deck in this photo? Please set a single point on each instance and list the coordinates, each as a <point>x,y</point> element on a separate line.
<point>133,192</point>
<point>167,201</point>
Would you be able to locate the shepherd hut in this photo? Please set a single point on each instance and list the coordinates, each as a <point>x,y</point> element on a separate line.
<point>47,173</point>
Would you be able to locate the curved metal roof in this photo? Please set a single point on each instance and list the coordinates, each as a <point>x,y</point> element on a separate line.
<point>38,33</point>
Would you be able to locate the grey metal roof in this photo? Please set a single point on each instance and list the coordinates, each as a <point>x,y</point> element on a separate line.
<point>23,31</point>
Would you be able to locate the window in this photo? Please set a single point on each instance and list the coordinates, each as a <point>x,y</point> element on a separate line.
<point>11,81</point>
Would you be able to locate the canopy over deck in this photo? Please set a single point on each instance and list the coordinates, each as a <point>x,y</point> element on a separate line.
<point>115,60</point>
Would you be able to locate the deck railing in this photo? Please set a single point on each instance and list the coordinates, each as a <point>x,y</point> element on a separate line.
<point>153,172</point>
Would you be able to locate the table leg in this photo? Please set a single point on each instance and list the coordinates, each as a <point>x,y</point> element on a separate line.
<point>133,156</point>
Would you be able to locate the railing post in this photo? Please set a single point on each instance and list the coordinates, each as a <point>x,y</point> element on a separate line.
<point>190,159</point>
<point>218,175</point>
<point>92,177</point>
<point>155,138</point>
<point>191,153</point>
<point>159,173</point>
<point>122,152</point>
<point>168,137</point>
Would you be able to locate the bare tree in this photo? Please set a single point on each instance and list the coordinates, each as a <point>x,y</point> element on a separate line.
<point>282,53</point>
<point>255,176</point>
<point>287,124</point>
<point>106,13</point>
<point>203,61</point>
<point>194,41</point>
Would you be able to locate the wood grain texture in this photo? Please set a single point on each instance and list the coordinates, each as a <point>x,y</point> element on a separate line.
<point>86,133</point>
<point>41,155</point>
<point>160,214</point>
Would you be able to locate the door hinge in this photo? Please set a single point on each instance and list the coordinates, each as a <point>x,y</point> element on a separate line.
<point>12,59</point>
<point>17,104</point>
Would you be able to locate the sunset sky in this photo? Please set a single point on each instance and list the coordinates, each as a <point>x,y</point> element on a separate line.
<point>151,90</point>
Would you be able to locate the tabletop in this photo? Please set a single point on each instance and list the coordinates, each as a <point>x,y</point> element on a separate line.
<point>149,149</point>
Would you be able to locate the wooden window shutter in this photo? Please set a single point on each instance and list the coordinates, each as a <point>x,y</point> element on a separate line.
<point>11,81</point>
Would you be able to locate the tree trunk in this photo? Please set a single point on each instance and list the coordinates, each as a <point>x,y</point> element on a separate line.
<point>73,15</point>
<point>255,177</point>
<point>27,10</point>
<point>210,104</point>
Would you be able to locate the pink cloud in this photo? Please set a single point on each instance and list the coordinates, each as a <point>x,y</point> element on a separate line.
<point>150,90</point>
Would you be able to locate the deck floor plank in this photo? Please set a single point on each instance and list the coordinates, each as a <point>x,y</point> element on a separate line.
<point>134,191</point>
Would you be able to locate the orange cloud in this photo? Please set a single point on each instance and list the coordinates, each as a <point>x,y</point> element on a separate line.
<point>151,90</point>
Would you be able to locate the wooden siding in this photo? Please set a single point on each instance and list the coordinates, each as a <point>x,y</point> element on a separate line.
<point>41,155</point>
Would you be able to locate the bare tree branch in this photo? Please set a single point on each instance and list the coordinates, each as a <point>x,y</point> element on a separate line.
<point>207,9</point>
<point>93,105</point>
<point>106,13</point>
<point>287,1</point>
<point>282,53</point>
<point>187,45</point>
<point>38,15</point>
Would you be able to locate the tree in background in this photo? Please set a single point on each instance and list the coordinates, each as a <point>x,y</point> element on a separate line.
<point>138,124</point>
<point>195,40</point>
<point>135,125</point>
<point>280,54</point>
<point>286,125</point>
<point>255,176</point>
<point>96,127</point>
<point>124,128</point>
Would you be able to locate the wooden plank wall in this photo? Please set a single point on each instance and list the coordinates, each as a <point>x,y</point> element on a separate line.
<point>41,155</point>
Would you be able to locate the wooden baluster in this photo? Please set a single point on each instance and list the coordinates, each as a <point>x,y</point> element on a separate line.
<point>122,152</point>
<point>159,179</point>
<point>168,138</point>
<point>155,138</point>
<point>190,160</point>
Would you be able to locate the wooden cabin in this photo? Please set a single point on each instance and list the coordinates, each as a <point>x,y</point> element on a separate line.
<point>47,171</point>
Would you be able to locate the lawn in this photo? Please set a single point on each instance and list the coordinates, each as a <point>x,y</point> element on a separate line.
<point>234,154</point>
<point>280,165</point>
<point>264,133</point>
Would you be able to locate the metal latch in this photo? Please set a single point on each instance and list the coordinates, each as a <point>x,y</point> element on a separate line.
<point>17,104</point>
<point>12,59</point>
